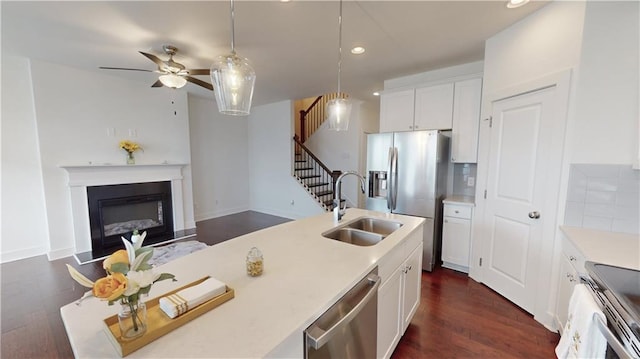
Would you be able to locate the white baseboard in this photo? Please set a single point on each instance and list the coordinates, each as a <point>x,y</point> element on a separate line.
<point>203,216</point>
<point>60,253</point>
<point>24,253</point>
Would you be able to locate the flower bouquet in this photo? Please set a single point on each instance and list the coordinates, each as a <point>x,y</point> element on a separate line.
<point>130,147</point>
<point>129,276</point>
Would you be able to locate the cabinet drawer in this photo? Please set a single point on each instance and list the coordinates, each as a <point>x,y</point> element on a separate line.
<point>574,256</point>
<point>457,211</point>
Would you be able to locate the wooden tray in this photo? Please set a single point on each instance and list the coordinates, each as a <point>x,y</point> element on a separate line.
<point>158,323</point>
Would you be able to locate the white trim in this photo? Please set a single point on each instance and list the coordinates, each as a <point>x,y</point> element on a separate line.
<point>81,177</point>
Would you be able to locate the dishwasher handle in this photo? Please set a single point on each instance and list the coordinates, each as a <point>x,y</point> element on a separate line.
<point>317,337</point>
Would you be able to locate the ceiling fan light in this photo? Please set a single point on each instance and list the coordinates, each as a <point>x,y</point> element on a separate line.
<point>233,80</point>
<point>338,112</point>
<point>173,81</point>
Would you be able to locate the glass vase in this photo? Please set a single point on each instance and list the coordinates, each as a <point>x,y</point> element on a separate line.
<point>132,319</point>
<point>130,159</point>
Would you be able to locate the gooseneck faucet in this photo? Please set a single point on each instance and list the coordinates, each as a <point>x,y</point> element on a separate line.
<point>339,212</point>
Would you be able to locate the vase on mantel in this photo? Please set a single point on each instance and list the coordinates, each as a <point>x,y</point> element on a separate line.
<point>130,159</point>
<point>132,319</point>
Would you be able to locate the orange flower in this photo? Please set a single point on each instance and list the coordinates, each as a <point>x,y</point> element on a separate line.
<point>110,287</point>
<point>119,256</point>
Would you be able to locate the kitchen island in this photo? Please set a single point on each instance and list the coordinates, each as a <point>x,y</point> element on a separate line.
<point>304,274</point>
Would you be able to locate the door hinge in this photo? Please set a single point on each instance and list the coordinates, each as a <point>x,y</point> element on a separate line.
<point>480,264</point>
<point>490,119</point>
<point>485,194</point>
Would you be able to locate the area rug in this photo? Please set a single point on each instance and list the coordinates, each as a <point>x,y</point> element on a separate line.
<point>164,254</point>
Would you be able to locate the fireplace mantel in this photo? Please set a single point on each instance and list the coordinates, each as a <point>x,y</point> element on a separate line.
<point>83,176</point>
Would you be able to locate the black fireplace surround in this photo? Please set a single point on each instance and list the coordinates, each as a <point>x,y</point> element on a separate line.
<point>117,210</point>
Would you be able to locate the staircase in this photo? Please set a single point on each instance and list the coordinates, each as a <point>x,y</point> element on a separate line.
<point>314,176</point>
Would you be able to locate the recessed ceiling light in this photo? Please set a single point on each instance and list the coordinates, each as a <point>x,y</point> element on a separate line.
<point>512,4</point>
<point>285,0</point>
<point>376,93</point>
<point>358,50</point>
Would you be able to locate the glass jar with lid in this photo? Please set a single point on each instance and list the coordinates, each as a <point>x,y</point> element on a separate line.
<point>255,262</point>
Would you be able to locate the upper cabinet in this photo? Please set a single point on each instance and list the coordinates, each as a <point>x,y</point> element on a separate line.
<point>466,121</point>
<point>396,111</point>
<point>451,106</point>
<point>433,107</point>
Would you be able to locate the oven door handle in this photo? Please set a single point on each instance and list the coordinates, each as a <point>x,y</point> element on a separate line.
<point>611,339</point>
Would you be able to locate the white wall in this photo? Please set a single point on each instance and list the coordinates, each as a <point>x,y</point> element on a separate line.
<point>606,116</point>
<point>80,117</point>
<point>219,160</point>
<point>24,223</point>
<point>273,189</point>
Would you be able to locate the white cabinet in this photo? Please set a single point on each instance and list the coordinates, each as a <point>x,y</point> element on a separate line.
<point>456,236</point>
<point>434,107</point>
<point>466,121</point>
<point>396,111</point>
<point>571,265</point>
<point>411,286</point>
<point>399,293</point>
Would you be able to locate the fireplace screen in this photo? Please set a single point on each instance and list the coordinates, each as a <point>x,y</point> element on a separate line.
<point>117,210</point>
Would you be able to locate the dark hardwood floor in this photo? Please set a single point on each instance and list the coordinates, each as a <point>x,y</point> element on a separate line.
<point>457,318</point>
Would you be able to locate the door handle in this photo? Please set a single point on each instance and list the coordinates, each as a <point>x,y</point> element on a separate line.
<point>534,215</point>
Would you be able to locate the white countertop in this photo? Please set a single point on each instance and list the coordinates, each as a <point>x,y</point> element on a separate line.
<point>304,274</point>
<point>460,200</point>
<point>619,249</point>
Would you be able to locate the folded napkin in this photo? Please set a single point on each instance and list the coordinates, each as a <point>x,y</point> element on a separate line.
<point>581,337</point>
<point>179,303</point>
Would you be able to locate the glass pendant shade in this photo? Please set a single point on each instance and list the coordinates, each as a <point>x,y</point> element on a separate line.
<point>173,81</point>
<point>233,79</point>
<point>338,112</point>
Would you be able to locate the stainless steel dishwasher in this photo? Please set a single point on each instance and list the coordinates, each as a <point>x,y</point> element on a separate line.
<point>349,328</point>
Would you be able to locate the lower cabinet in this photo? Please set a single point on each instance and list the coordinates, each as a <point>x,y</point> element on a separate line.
<point>456,237</point>
<point>571,266</point>
<point>398,301</point>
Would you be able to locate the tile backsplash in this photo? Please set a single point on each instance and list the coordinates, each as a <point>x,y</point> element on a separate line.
<point>605,197</point>
<point>464,179</point>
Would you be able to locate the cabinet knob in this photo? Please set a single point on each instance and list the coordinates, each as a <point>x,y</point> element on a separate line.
<point>534,215</point>
<point>456,211</point>
<point>572,258</point>
<point>446,221</point>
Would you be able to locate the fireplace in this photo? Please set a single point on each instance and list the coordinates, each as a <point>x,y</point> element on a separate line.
<point>118,210</point>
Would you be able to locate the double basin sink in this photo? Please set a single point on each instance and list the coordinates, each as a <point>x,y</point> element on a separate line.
<point>365,231</point>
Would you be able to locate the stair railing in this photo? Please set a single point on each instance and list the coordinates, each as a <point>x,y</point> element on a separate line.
<point>313,117</point>
<point>312,172</point>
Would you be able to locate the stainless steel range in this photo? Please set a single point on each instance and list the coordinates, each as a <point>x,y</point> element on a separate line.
<point>618,290</point>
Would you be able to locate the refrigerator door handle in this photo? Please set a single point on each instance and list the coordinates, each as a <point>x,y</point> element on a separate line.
<point>393,174</point>
<point>390,180</point>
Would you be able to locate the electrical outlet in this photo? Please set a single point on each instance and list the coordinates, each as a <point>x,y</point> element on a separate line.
<point>471,181</point>
<point>133,132</point>
<point>111,132</point>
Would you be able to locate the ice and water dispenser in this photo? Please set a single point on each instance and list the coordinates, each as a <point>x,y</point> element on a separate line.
<point>378,184</point>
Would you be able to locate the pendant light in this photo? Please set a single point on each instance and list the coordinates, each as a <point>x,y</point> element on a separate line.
<point>233,79</point>
<point>338,110</point>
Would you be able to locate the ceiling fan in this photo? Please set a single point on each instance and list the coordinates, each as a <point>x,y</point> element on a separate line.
<point>173,74</point>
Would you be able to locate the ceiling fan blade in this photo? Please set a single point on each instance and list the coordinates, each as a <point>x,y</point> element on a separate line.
<point>199,82</point>
<point>158,83</point>
<point>199,72</point>
<point>153,58</point>
<point>122,68</point>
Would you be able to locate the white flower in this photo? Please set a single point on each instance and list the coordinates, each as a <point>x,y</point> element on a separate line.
<point>139,279</point>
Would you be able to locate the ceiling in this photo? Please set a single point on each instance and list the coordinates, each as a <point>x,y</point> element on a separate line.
<point>293,46</point>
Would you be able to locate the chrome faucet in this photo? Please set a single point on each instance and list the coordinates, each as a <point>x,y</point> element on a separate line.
<point>339,212</point>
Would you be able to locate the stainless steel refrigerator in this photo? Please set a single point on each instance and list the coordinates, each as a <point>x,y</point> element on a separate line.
<point>407,174</point>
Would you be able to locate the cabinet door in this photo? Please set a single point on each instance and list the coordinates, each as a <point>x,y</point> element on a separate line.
<point>568,279</point>
<point>434,107</point>
<point>396,111</point>
<point>412,278</point>
<point>466,121</point>
<point>456,234</point>
<point>389,300</point>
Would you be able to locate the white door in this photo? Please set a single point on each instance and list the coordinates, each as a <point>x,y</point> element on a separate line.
<point>524,150</point>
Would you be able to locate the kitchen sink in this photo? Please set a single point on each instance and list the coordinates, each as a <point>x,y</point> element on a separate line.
<point>375,225</point>
<point>353,236</point>
<point>365,231</point>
